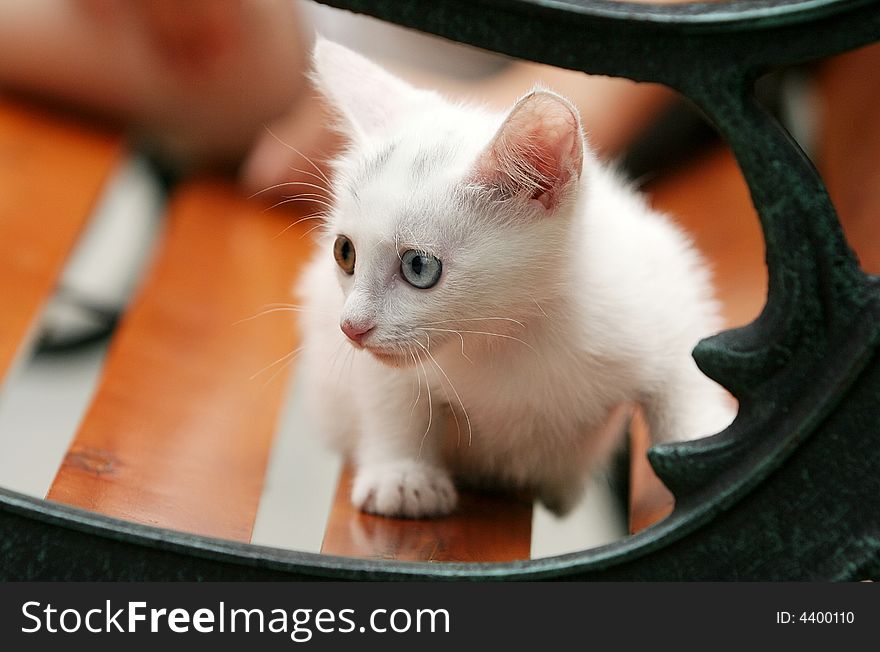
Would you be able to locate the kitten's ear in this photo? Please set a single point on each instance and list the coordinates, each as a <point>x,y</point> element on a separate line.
<point>367,96</point>
<point>537,152</point>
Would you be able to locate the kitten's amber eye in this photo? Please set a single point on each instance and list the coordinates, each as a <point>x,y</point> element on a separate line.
<point>343,252</point>
<point>420,269</point>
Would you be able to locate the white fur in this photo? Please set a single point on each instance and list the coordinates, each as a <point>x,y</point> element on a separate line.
<point>551,311</point>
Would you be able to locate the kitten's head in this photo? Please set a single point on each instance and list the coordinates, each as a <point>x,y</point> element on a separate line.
<point>448,221</point>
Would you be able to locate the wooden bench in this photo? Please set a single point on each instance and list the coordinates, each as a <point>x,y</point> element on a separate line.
<point>177,434</point>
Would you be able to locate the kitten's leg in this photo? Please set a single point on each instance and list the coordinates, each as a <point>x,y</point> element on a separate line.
<point>563,493</point>
<point>688,406</point>
<point>399,466</point>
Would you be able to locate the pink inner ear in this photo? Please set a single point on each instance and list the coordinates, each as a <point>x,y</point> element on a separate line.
<point>536,152</point>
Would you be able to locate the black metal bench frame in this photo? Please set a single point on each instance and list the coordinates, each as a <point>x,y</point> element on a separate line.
<point>792,489</point>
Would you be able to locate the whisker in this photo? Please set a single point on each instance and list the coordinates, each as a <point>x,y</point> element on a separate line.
<point>430,406</point>
<point>304,197</point>
<point>314,228</point>
<point>311,174</point>
<point>420,246</point>
<point>313,216</point>
<point>412,233</point>
<point>307,194</point>
<point>282,307</point>
<point>293,183</point>
<point>501,335</point>
<point>463,354</point>
<point>311,196</point>
<point>270,310</point>
<point>284,304</point>
<point>449,402</point>
<point>460,336</point>
<point>346,360</point>
<point>418,380</point>
<point>454,391</point>
<point>447,321</point>
<point>335,358</point>
<point>320,215</point>
<point>295,150</point>
<point>350,361</point>
<point>284,357</point>
<point>278,371</point>
<point>539,307</point>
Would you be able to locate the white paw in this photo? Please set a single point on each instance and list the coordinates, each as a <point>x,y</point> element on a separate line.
<point>409,489</point>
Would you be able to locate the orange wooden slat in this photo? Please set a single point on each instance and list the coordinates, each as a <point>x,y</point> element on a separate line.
<point>710,199</point>
<point>51,173</point>
<point>484,528</point>
<point>848,91</point>
<point>178,434</point>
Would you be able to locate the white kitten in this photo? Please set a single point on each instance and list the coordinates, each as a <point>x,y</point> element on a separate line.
<point>500,293</point>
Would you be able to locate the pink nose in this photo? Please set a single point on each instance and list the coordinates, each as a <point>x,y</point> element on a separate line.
<point>355,332</point>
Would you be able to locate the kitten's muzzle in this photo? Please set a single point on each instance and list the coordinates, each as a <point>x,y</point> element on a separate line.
<point>355,332</point>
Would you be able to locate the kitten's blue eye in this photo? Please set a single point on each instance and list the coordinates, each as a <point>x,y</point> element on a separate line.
<point>420,270</point>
